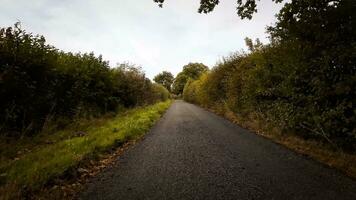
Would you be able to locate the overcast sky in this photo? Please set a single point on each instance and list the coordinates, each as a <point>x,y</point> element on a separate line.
<point>139,31</point>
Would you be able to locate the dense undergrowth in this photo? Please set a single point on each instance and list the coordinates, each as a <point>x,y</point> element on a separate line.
<point>57,108</point>
<point>42,87</point>
<point>49,156</point>
<point>303,82</point>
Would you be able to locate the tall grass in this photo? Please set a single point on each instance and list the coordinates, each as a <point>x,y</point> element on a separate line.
<point>36,168</point>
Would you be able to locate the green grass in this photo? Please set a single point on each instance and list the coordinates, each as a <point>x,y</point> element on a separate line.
<point>44,162</point>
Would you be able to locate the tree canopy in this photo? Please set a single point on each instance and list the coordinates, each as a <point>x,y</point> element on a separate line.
<point>164,78</point>
<point>190,71</point>
<point>245,9</point>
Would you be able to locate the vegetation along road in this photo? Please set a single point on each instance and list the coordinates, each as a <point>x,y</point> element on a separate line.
<point>194,154</point>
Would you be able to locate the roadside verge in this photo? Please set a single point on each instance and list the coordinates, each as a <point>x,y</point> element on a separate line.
<point>317,150</point>
<point>31,171</point>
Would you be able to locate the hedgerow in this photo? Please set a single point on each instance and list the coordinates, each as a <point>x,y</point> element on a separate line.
<point>303,82</point>
<point>40,84</point>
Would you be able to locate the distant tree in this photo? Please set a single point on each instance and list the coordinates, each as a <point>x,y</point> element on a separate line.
<point>249,43</point>
<point>164,78</point>
<point>190,71</point>
<point>245,9</point>
<point>179,83</point>
<point>253,46</point>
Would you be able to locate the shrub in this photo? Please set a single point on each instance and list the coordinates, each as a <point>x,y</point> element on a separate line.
<point>160,92</point>
<point>266,82</point>
<point>39,83</point>
<point>303,82</point>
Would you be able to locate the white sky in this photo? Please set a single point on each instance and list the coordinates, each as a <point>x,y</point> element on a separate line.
<point>139,31</point>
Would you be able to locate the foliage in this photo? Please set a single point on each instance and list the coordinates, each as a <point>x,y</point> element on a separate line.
<point>245,9</point>
<point>39,84</point>
<point>161,92</point>
<point>164,78</point>
<point>303,82</point>
<point>36,168</point>
<point>190,71</point>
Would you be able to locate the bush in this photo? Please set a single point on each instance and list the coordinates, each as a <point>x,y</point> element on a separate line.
<point>267,83</point>
<point>160,92</point>
<point>39,83</point>
<point>264,83</point>
<point>303,82</point>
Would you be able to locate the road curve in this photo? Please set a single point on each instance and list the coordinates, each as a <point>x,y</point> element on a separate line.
<point>194,154</point>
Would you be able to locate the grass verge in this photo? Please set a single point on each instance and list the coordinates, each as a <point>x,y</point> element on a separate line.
<point>33,169</point>
<point>319,151</point>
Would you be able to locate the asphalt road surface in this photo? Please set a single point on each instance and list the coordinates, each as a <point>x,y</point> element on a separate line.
<point>194,154</point>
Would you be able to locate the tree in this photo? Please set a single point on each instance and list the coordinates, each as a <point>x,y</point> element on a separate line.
<point>245,9</point>
<point>303,82</point>
<point>190,71</point>
<point>323,37</point>
<point>179,83</point>
<point>253,46</point>
<point>164,78</point>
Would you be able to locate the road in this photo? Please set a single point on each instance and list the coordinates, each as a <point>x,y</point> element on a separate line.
<point>194,154</point>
